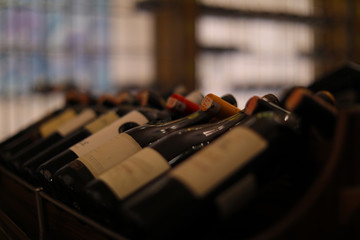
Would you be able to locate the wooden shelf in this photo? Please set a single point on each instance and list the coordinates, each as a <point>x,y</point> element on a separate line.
<point>204,9</point>
<point>27,212</point>
<point>275,16</point>
<point>219,49</point>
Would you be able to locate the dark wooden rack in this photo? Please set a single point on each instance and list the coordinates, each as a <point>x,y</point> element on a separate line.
<point>204,9</point>
<point>27,212</point>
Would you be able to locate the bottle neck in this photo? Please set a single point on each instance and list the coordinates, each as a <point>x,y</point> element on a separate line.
<point>256,105</point>
<point>155,115</point>
<point>193,138</point>
<point>198,117</point>
<point>150,99</point>
<point>272,125</point>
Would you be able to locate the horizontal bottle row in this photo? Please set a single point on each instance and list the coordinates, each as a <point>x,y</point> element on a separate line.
<point>153,165</point>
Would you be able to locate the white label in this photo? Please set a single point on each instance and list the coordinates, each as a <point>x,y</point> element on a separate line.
<point>107,133</point>
<point>110,153</point>
<point>210,166</point>
<point>51,126</point>
<point>80,120</point>
<point>135,172</point>
<point>195,97</point>
<point>102,121</point>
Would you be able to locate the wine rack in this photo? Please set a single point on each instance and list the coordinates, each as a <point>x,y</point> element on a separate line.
<point>28,212</point>
<point>329,209</point>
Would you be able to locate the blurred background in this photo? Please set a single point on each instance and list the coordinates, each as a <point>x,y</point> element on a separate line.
<point>243,47</point>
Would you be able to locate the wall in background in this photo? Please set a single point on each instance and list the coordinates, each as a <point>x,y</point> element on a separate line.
<point>243,47</point>
<point>252,47</point>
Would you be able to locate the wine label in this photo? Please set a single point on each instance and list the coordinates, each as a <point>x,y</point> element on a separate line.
<point>237,196</point>
<point>52,125</point>
<point>209,167</point>
<point>102,121</point>
<point>134,172</point>
<point>110,153</point>
<point>107,133</point>
<point>71,125</point>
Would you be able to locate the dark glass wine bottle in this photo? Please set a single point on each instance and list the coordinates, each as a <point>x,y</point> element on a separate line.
<point>170,150</point>
<point>73,103</point>
<point>93,134</point>
<point>60,155</point>
<point>122,98</point>
<point>151,98</point>
<point>131,141</point>
<point>219,180</point>
<point>85,116</point>
<point>266,103</point>
<point>299,102</point>
<point>101,193</point>
<point>31,132</point>
<point>69,181</point>
<point>342,82</point>
<point>143,98</point>
<point>39,130</point>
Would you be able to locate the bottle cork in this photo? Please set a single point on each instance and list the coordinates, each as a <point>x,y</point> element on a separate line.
<point>218,107</point>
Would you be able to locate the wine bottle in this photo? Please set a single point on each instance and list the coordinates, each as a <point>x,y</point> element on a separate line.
<point>35,167</point>
<point>39,129</point>
<point>70,182</point>
<point>31,132</point>
<point>131,141</point>
<point>151,98</point>
<point>299,103</point>
<point>122,98</point>
<point>73,103</point>
<point>93,134</point>
<point>181,106</point>
<point>101,192</point>
<point>157,157</point>
<point>266,103</point>
<point>15,162</point>
<point>325,95</point>
<point>131,120</point>
<point>220,179</point>
<point>35,131</point>
<point>342,83</point>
